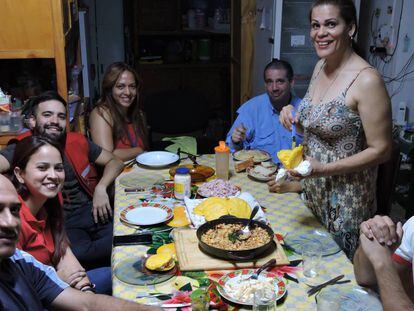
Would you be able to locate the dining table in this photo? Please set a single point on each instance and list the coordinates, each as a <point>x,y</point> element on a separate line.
<point>286,213</point>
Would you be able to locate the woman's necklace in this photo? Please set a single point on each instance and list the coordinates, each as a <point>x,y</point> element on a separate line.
<point>338,72</point>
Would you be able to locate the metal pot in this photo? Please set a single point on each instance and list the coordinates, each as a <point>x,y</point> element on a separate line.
<point>242,255</point>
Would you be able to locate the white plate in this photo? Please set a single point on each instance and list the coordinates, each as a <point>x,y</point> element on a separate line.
<point>157,158</point>
<point>255,172</point>
<point>240,276</point>
<point>354,298</point>
<point>147,215</point>
<point>296,239</point>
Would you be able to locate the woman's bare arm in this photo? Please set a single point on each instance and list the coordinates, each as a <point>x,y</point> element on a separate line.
<point>101,132</point>
<point>373,105</point>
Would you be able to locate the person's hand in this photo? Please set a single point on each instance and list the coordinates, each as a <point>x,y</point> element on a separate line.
<point>284,186</point>
<point>286,117</point>
<point>318,170</point>
<point>75,278</point>
<point>239,134</point>
<point>376,252</point>
<point>383,229</point>
<point>101,207</point>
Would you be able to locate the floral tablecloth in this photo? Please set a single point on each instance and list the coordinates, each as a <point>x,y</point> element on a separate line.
<point>286,213</point>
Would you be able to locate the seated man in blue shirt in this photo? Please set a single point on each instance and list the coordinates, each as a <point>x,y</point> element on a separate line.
<point>26,284</point>
<point>257,125</point>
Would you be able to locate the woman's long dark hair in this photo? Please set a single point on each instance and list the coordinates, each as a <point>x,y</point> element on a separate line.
<point>347,11</point>
<point>134,113</point>
<point>22,154</point>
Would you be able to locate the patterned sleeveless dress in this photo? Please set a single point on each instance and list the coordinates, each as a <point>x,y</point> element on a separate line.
<point>332,131</point>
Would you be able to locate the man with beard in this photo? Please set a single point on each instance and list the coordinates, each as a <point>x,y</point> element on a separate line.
<point>257,125</point>
<point>86,203</point>
<point>26,284</point>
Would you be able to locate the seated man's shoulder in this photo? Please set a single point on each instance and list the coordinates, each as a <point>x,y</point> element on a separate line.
<point>255,102</point>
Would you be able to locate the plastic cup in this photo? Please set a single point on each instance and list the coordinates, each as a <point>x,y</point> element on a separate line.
<point>327,301</point>
<point>311,255</point>
<point>264,300</point>
<point>200,299</point>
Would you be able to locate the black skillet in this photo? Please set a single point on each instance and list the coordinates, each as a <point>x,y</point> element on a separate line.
<point>241,255</point>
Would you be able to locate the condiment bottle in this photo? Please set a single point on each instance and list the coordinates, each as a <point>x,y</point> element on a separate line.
<point>182,183</point>
<point>222,160</point>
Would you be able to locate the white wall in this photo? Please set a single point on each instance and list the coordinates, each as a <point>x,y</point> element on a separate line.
<point>399,92</point>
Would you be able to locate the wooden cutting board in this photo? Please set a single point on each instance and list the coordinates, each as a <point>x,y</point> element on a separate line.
<point>191,258</point>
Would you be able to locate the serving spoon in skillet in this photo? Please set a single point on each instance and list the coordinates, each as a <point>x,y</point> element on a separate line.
<point>244,234</point>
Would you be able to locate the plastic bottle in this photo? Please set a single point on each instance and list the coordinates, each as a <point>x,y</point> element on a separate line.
<point>4,122</point>
<point>222,160</point>
<point>182,183</point>
<point>401,113</point>
<point>15,121</point>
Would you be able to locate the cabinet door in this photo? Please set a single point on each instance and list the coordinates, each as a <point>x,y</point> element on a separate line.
<point>26,29</point>
<point>158,15</point>
<point>213,84</point>
<point>158,79</point>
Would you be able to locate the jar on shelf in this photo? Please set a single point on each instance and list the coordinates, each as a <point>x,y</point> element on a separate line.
<point>182,183</point>
<point>4,122</point>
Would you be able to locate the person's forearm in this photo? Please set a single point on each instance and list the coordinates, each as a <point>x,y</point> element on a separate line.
<point>71,299</point>
<point>363,269</point>
<point>104,302</point>
<point>128,153</point>
<point>393,295</point>
<point>112,169</point>
<point>357,162</point>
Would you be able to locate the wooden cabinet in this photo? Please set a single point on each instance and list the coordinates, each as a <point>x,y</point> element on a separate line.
<point>38,29</point>
<point>171,54</point>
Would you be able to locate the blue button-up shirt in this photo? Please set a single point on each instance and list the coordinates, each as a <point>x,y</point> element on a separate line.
<point>264,131</point>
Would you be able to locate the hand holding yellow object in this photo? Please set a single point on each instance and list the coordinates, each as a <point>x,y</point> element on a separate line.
<point>291,158</point>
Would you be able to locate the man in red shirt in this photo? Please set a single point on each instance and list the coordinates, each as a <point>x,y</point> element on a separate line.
<point>86,202</point>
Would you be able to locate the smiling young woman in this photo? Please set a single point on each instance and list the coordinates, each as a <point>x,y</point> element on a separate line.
<point>38,178</point>
<point>347,132</point>
<point>116,123</point>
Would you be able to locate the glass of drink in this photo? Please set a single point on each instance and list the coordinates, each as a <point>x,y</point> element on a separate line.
<point>264,299</point>
<point>311,255</point>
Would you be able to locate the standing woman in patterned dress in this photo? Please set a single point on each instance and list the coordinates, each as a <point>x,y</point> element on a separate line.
<point>346,120</point>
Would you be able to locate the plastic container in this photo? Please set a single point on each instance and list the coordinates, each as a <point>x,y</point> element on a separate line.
<point>204,49</point>
<point>191,16</point>
<point>15,121</point>
<point>222,160</point>
<point>401,114</point>
<point>182,183</point>
<point>4,122</point>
